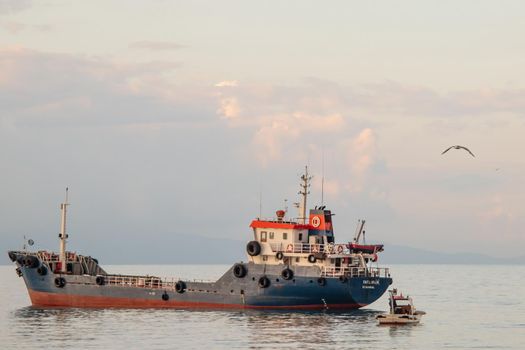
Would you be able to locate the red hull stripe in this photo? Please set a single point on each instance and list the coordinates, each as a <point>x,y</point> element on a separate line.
<point>271,224</point>
<point>43,299</point>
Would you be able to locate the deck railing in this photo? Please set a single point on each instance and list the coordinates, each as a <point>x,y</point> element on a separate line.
<point>139,281</point>
<point>303,248</point>
<point>53,257</point>
<point>329,271</point>
<point>146,281</point>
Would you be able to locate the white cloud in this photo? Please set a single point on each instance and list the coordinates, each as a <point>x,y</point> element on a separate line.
<point>229,108</point>
<point>285,136</point>
<point>227,83</point>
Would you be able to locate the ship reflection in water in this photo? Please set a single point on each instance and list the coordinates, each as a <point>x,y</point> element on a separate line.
<point>125,328</point>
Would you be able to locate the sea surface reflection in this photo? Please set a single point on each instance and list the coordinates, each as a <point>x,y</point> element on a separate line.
<point>93,328</point>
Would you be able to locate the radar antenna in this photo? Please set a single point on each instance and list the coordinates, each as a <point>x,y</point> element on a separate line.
<point>305,191</point>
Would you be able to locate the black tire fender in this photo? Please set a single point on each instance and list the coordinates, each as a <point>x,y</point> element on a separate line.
<point>42,270</point>
<point>31,261</point>
<point>287,274</point>
<point>180,287</point>
<point>264,282</point>
<point>100,280</point>
<point>312,259</point>
<point>253,248</point>
<point>60,282</point>
<point>239,270</point>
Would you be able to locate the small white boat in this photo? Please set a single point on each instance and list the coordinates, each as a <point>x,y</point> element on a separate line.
<point>402,310</point>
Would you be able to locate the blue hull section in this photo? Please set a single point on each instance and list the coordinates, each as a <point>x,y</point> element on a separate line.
<point>306,290</point>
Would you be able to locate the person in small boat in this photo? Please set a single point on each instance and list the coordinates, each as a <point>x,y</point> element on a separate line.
<point>392,302</point>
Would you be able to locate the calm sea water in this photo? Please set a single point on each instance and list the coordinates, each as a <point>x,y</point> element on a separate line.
<point>468,307</point>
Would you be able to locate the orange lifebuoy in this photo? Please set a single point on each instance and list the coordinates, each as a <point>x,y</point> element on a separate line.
<point>289,248</point>
<point>374,257</point>
<point>316,221</point>
<point>340,248</point>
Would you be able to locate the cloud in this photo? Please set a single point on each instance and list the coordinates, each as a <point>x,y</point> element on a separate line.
<point>379,101</point>
<point>278,136</point>
<point>156,45</point>
<point>46,89</point>
<point>292,124</point>
<point>17,27</point>
<point>228,105</point>
<point>227,83</point>
<point>332,188</point>
<point>13,27</point>
<point>360,156</point>
<point>229,108</point>
<point>14,6</point>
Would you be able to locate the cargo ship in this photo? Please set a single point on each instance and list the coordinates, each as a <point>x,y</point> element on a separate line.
<point>292,263</point>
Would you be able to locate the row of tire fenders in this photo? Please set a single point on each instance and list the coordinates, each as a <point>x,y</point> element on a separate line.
<point>30,261</point>
<point>240,271</point>
<point>60,282</point>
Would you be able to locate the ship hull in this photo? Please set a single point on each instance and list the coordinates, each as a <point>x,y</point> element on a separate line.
<point>303,291</point>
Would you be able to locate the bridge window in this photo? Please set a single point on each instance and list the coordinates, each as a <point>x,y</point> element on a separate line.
<point>271,235</point>
<point>263,236</point>
<point>285,235</point>
<point>300,236</point>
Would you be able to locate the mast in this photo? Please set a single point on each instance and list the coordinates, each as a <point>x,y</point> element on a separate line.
<point>63,236</point>
<point>305,185</point>
<point>322,182</point>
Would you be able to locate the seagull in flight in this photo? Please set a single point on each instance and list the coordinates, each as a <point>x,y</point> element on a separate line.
<point>458,147</point>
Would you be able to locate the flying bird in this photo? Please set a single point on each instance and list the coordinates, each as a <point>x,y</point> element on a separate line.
<point>458,147</point>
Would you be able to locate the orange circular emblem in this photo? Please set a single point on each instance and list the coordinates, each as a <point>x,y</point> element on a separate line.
<point>316,221</point>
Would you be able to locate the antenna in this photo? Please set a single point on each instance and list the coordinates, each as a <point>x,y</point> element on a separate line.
<point>305,191</point>
<point>322,181</point>
<point>63,236</point>
<point>260,199</point>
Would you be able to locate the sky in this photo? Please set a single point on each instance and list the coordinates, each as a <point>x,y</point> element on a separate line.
<point>169,119</point>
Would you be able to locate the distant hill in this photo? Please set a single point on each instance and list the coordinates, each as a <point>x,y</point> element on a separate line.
<point>193,249</point>
<point>395,254</point>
